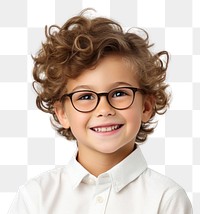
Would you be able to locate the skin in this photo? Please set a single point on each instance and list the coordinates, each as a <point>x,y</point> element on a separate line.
<point>99,152</point>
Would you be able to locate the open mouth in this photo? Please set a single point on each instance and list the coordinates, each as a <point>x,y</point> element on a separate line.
<point>106,129</point>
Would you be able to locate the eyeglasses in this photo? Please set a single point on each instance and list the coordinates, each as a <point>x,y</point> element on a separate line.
<point>86,101</point>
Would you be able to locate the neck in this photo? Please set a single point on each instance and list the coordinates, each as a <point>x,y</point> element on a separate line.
<point>97,163</point>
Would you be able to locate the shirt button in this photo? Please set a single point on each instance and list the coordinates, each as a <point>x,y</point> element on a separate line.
<point>99,199</point>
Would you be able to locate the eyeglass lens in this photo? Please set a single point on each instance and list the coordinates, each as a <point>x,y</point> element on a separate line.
<point>119,98</point>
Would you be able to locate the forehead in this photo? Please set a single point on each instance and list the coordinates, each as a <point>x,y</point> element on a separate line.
<point>110,71</point>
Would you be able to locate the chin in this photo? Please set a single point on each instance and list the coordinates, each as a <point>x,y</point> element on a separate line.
<point>111,149</point>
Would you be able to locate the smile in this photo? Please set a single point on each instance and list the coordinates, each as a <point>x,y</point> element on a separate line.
<point>106,129</point>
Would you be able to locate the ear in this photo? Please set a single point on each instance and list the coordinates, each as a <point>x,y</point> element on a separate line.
<point>61,114</point>
<point>148,107</point>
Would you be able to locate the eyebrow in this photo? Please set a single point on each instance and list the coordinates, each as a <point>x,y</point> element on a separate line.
<point>90,87</point>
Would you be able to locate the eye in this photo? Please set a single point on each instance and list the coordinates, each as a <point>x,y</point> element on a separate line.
<point>119,93</point>
<point>85,96</point>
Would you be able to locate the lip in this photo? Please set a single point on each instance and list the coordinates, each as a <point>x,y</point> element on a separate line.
<point>106,129</point>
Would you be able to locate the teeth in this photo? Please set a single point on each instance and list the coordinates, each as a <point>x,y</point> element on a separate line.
<point>106,129</point>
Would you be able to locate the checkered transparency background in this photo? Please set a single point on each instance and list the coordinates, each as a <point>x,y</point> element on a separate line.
<point>29,145</point>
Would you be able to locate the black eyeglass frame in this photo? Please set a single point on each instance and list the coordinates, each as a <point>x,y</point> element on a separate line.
<point>99,95</point>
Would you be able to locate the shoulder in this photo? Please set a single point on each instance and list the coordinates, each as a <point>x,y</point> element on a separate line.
<point>158,183</point>
<point>45,181</point>
<point>171,196</point>
<point>31,196</point>
<point>155,178</point>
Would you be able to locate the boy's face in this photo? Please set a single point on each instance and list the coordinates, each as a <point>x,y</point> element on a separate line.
<point>106,130</point>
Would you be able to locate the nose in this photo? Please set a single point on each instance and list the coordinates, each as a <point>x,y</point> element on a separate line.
<point>104,108</point>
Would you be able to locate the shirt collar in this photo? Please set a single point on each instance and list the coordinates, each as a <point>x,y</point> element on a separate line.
<point>76,171</point>
<point>128,170</point>
<point>120,175</point>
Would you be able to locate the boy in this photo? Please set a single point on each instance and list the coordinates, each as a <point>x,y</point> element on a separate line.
<point>103,87</point>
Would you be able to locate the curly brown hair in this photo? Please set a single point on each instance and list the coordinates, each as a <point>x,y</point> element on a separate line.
<point>78,45</point>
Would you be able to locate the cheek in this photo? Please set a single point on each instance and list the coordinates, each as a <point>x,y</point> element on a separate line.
<point>134,118</point>
<point>77,121</point>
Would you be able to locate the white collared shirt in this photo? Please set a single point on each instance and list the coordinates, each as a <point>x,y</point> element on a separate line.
<point>129,187</point>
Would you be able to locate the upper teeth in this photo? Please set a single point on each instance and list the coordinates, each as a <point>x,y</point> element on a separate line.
<point>106,129</point>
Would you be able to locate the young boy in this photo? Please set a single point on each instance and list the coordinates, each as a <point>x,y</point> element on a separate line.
<point>103,87</point>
